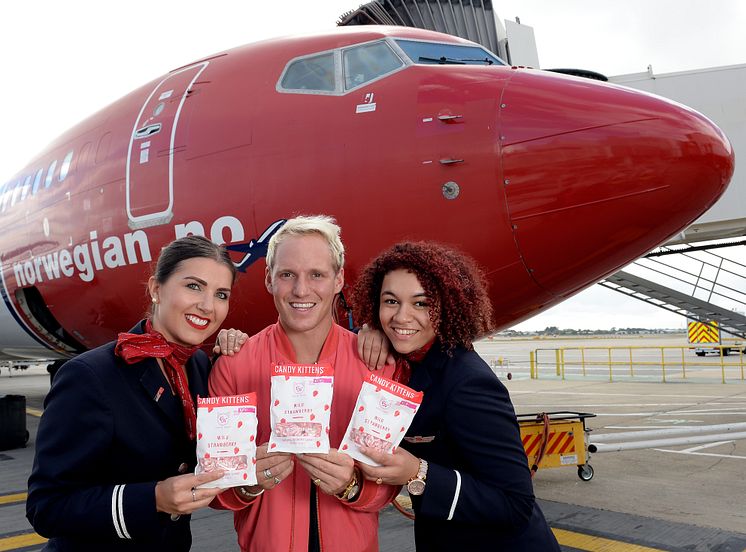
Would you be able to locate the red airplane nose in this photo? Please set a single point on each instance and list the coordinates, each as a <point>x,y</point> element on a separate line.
<point>596,175</point>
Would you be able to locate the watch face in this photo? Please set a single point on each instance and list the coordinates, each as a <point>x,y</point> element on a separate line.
<point>416,487</point>
<point>353,492</point>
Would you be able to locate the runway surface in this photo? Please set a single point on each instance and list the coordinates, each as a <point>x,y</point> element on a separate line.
<point>672,498</point>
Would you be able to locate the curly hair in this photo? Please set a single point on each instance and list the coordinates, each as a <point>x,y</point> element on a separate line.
<point>461,310</point>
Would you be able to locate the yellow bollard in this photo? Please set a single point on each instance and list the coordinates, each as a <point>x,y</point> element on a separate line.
<point>663,365</point>
<point>610,375</point>
<point>532,365</point>
<point>582,359</point>
<point>557,360</point>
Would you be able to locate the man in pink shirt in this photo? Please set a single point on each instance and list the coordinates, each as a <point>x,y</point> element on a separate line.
<point>303,502</point>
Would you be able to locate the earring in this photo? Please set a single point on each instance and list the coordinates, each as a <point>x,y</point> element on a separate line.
<point>155,301</point>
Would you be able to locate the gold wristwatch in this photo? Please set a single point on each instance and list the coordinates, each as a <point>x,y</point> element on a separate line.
<point>416,485</point>
<point>352,489</point>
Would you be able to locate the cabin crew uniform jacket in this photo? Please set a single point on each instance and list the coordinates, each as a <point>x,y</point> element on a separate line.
<point>478,493</point>
<point>110,431</point>
<point>278,520</point>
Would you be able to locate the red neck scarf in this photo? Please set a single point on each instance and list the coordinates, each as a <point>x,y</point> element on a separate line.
<point>133,348</point>
<point>403,370</point>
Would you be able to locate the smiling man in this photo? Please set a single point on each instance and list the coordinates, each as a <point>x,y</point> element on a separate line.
<point>311,501</point>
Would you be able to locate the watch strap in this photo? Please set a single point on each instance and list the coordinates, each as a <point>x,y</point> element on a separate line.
<point>421,471</point>
<point>345,494</point>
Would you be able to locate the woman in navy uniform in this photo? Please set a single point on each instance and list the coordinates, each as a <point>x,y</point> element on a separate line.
<point>116,445</point>
<point>462,459</point>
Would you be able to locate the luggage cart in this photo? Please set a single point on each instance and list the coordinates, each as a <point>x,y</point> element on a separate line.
<point>556,439</point>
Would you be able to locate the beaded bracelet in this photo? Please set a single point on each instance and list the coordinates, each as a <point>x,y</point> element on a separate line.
<point>246,494</point>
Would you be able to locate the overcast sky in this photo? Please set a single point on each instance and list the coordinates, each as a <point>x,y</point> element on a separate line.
<point>64,60</point>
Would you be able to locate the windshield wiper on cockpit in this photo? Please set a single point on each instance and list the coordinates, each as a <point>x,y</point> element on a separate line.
<point>486,60</point>
<point>443,60</point>
<point>453,61</point>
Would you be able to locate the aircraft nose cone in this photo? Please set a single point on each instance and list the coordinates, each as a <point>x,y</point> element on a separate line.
<point>596,175</point>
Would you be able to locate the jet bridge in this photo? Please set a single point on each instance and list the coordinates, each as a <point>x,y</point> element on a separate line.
<point>474,20</point>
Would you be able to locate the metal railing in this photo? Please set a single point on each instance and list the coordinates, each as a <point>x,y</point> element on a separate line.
<point>709,275</point>
<point>662,363</point>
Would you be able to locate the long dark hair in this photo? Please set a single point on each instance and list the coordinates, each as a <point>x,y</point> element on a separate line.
<point>186,248</point>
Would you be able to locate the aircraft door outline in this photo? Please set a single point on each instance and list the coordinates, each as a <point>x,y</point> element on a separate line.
<point>150,173</point>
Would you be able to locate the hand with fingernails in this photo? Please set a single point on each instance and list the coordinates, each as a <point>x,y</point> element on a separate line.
<point>330,472</point>
<point>271,469</point>
<point>180,495</point>
<point>395,469</point>
<point>229,342</point>
<point>373,348</point>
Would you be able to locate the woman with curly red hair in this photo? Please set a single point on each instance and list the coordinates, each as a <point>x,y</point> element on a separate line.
<point>462,460</point>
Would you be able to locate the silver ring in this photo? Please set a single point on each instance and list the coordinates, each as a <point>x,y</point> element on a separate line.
<point>194,495</point>
<point>231,335</point>
<point>277,480</point>
<point>268,474</point>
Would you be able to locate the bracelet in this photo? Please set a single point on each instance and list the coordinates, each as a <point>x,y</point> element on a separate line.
<point>247,494</point>
<point>350,492</point>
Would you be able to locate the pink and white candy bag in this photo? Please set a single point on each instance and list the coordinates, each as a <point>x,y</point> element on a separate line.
<point>383,413</point>
<point>226,439</point>
<point>300,407</point>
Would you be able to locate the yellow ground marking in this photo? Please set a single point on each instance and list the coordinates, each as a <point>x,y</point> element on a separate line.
<point>11,498</point>
<point>21,541</point>
<point>34,412</point>
<point>597,544</point>
<point>575,540</point>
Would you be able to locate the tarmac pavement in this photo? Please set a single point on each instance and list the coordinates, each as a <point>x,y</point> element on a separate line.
<point>675,498</point>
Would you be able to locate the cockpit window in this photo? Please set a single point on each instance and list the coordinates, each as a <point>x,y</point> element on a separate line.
<point>436,53</point>
<point>311,73</point>
<point>367,62</point>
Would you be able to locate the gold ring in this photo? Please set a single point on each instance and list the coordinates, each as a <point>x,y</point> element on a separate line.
<point>277,480</point>
<point>379,481</point>
<point>317,481</point>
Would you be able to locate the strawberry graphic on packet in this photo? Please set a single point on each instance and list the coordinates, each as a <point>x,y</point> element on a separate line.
<point>299,411</point>
<point>383,413</point>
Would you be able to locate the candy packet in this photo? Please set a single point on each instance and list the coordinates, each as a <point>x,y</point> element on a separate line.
<point>383,413</point>
<point>226,439</point>
<point>300,407</point>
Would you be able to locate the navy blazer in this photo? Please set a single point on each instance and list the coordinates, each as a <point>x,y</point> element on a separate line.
<point>478,493</point>
<point>109,433</point>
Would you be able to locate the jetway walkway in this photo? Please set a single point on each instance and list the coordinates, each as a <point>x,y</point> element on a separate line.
<point>473,20</point>
<point>715,279</point>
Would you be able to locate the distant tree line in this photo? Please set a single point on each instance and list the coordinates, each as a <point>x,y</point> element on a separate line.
<point>555,331</point>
